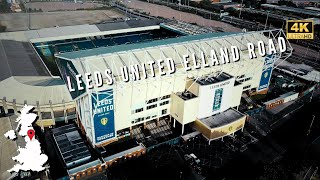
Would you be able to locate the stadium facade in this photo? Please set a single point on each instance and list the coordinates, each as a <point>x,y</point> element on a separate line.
<point>194,96</point>
<point>207,99</point>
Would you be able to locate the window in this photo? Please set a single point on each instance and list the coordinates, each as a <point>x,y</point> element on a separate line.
<point>139,110</point>
<point>166,97</point>
<point>136,110</point>
<point>164,103</point>
<point>164,111</point>
<point>137,120</point>
<point>239,77</point>
<point>246,87</point>
<point>152,100</point>
<point>151,106</point>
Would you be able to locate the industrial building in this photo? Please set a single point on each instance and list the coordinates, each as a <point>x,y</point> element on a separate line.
<point>307,12</point>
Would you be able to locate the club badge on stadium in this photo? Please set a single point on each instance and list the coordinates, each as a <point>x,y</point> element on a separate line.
<point>104,121</point>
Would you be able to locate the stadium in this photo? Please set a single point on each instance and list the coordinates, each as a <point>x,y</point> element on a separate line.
<point>204,99</point>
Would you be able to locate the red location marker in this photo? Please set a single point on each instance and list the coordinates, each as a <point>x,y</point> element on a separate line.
<point>31,133</point>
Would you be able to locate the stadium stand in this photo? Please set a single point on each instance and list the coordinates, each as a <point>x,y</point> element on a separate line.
<point>47,49</point>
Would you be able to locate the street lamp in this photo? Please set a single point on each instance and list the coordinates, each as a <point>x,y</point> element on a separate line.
<point>313,116</point>
<point>265,26</point>
<point>241,8</point>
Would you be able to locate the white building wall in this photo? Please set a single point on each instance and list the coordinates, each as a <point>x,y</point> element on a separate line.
<point>207,95</point>
<point>122,109</point>
<point>184,111</point>
<point>236,95</point>
<point>84,105</point>
<point>131,96</point>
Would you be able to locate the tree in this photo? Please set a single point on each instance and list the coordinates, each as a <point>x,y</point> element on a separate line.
<point>2,28</point>
<point>23,7</point>
<point>232,11</point>
<point>4,6</point>
<point>287,3</point>
<point>205,4</point>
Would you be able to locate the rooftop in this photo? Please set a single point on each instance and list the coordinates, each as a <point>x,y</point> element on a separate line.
<point>292,9</point>
<point>84,167</point>
<point>313,8</point>
<point>281,97</point>
<point>222,118</point>
<point>124,153</point>
<point>186,95</point>
<point>212,80</point>
<point>19,59</point>
<point>49,32</point>
<point>71,146</point>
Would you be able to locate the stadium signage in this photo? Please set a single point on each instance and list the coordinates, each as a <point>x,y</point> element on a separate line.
<point>168,66</point>
<point>103,115</point>
<point>219,85</point>
<point>266,73</point>
<point>217,99</point>
<point>275,104</point>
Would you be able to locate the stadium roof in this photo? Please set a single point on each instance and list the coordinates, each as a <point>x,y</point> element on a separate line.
<point>22,72</point>
<point>211,80</point>
<point>19,88</point>
<point>115,57</point>
<point>128,24</point>
<point>19,59</point>
<point>76,30</point>
<point>49,32</point>
<point>126,47</point>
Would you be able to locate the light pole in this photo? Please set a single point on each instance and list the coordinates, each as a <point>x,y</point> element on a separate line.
<point>265,26</point>
<point>313,116</point>
<point>240,9</point>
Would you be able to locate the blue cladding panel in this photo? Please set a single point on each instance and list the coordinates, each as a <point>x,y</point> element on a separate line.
<point>103,115</point>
